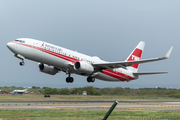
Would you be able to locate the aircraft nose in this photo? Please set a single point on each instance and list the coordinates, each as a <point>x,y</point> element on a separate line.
<point>10,45</point>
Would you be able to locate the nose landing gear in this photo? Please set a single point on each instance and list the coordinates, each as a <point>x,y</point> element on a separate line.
<point>20,57</point>
<point>22,63</point>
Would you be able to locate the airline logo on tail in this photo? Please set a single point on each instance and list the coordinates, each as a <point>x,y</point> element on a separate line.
<point>136,55</point>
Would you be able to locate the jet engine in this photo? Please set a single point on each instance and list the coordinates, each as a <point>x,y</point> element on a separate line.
<point>83,67</point>
<point>47,69</point>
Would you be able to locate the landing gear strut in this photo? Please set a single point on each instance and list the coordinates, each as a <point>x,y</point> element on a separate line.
<point>20,57</point>
<point>69,79</point>
<point>90,79</point>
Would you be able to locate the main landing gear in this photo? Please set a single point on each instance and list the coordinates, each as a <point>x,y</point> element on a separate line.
<point>69,79</point>
<point>90,79</point>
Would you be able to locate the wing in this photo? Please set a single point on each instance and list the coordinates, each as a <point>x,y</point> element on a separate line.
<point>124,64</point>
<point>149,73</point>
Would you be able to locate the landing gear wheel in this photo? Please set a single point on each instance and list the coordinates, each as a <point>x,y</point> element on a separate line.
<point>69,79</point>
<point>21,63</point>
<point>90,79</point>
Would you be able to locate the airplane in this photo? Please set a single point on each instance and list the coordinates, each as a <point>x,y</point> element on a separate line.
<point>19,91</point>
<point>53,59</point>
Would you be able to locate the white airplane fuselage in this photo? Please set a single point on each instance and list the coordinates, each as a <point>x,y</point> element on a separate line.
<point>19,91</point>
<point>62,58</point>
<point>53,58</point>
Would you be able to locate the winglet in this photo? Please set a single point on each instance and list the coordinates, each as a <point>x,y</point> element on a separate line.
<point>168,53</point>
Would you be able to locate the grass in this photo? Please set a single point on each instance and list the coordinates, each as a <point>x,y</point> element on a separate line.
<point>27,97</point>
<point>10,99</point>
<point>85,115</point>
<point>65,114</point>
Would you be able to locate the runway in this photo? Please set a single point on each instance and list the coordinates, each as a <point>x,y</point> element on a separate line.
<point>91,105</point>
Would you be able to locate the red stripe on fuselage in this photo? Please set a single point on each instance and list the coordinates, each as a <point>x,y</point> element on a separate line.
<point>117,75</point>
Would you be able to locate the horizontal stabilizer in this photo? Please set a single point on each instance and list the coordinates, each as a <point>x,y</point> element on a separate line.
<point>149,73</point>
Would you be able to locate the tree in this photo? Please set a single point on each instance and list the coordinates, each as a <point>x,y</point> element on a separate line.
<point>91,90</point>
<point>48,91</point>
<point>77,91</point>
<point>64,91</point>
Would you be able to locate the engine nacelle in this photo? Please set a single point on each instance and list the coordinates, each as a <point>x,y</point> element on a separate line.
<point>83,67</point>
<point>47,69</point>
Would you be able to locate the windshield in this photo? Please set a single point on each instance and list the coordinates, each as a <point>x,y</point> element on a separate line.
<point>21,41</point>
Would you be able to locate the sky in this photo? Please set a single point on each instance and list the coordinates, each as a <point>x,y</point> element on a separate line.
<point>109,29</point>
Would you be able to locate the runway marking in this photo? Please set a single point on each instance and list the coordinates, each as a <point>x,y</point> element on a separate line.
<point>173,102</point>
<point>56,108</point>
<point>72,106</point>
<point>69,107</point>
<point>123,107</point>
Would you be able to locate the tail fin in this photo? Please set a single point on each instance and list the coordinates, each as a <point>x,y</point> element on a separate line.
<point>136,55</point>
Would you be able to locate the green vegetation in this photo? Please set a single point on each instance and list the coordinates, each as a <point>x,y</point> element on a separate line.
<point>85,115</point>
<point>117,93</point>
<point>151,92</point>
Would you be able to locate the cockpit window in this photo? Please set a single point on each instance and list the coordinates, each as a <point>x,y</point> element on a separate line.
<point>21,41</point>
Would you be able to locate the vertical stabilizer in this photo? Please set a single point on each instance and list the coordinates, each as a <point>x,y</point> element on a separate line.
<point>136,55</point>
